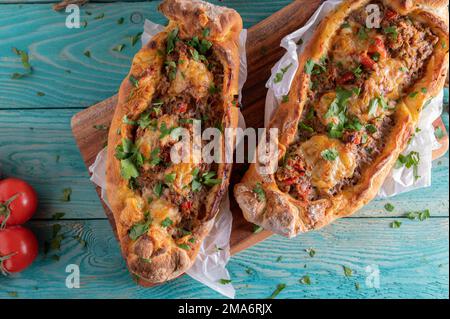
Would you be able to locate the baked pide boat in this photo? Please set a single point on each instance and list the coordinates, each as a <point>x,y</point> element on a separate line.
<point>189,72</point>
<point>351,110</point>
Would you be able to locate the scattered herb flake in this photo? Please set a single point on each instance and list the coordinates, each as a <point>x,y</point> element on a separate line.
<point>389,207</point>
<point>279,76</point>
<point>396,224</point>
<point>311,252</point>
<point>100,16</point>
<point>121,20</point>
<point>87,53</point>
<point>305,280</point>
<point>67,192</point>
<point>224,281</point>
<point>348,272</point>
<point>276,292</point>
<point>257,229</point>
<point>119,47</point>
<point>259,191</point>
<point>330,154</point>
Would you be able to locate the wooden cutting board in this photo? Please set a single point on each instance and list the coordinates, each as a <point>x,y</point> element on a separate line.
<point>263,51</point>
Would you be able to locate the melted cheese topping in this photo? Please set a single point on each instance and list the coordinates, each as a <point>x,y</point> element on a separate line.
<point>133,211</point>
<point>151,138</point>
<point>160,209</point>
<point>183,177</point>
<point>385,80</point>
<point>325,174</point>
<point>193,76</point>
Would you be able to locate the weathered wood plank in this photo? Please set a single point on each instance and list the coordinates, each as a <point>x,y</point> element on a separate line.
<point>40,148</point>
<point>412,260</point>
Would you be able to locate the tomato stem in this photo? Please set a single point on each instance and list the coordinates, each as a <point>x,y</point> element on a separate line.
<point>5,211</point>
<point>2,260</point>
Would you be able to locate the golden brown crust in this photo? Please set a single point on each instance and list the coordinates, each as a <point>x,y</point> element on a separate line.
<point>283,214</point>
<point>191,18</point>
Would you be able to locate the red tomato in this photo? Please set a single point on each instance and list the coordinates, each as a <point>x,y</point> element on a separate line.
<point>18,201</point>
<point>366,61</point>
<point>18,249</point>
<point>390,15</point>
<point>346,77</point>
<point>378,47</point>
<point>187,205</point>
<point>182,107</point>
<point>290,181</point>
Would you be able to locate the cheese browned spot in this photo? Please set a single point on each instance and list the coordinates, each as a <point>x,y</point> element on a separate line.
<point>193,76</point>
<point>325,174</point>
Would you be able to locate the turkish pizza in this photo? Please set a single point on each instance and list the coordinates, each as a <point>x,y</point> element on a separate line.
<point>352,108</point>
<point>189,72</point>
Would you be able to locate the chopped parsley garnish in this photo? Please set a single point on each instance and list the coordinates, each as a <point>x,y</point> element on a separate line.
<point>139,229</point>
<point>329,154</point>
<point>370,128</point>
<point>279,76</point>
<point>305,280</point>
<point>420,215</point>
<point>167,222</point>
<point>345,25</point>
<point>357,71</point>
<point>311,252</point>
<point>348,272</point>
<point>134,38</point>
<point>259,191</point>
<point>100,16</point>
<point>67,192</point>
<point>410,160</point>
<point>130,158</point>
<point>338,109</point>
<point>171,68</point>
<point>276,292</point>
<point>184,246</point>
<point>165,130</point>
<point>389,207</point>
<point>25,63</point>
<point>362,33</point>
<point>204,179</point>
<point>170,178</point>
<point>100,127</point>
<point>213,89</point>
<point>305,127</point>
<point>206,32</point>
<point>413,94</point>
<point>119,47</point>
<point>224,281</point>
<point>121,20</point>
<point>172,39</point>
<point>257,229</point>
<point>158,189</point>
<point>285,99</point>
<point>154,157</point>
<point>87,53</point>
<point>396,224</point>
<point>391,31</point>
<point>133,81</point>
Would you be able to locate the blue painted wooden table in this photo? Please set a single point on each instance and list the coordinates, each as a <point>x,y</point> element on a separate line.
<point>36,144</point>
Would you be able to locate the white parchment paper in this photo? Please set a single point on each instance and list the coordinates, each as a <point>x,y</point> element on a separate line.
<point>213,256</point>
<point>424,141</point>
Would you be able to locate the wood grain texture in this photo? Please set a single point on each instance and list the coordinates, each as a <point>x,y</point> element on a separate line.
<point>54,49</point>
<point>413,263</point>
<point>413,259</point>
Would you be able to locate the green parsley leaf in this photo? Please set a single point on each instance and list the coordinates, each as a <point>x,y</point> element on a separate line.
<point>170,178</point>
<point>330,154</point>
<point>259,191</point>
<point>167,222</point>
<point>172,39</point>
<point>184,246</point>
<point>67,192</point>
<point>410,160</point>
<point>120,21</point>
<point>362,33</point>
<point>305,127</point>
<point>128,169</point>
<point>257,229</point>
<point>279,75</point>
<point>206,32</point>
<point>135,38</point>
<point>305,280</point>
<point>277,291</point>
<point>396,224</point>
<point>139,229</point>
<point>133,81</point>
<point>389,207</point>
<point>224,281</point>
<point>391,31</point>
<point>311,252</point>
<point>348,272</point>
<point>158,189</point>
<point>100,16</point>
<point>370,128</point>
<point>87,53</point>
<point>119,47</point>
